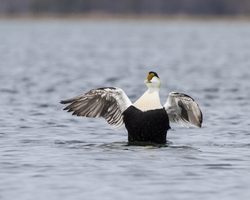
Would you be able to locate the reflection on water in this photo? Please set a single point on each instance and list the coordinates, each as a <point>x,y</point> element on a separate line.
<point>116,145</point>
<point>47,153</point>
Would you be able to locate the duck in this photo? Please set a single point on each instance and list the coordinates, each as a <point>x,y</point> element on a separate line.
<point>146,120</point>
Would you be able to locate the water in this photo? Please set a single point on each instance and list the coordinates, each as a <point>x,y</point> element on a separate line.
<point>48,154</point>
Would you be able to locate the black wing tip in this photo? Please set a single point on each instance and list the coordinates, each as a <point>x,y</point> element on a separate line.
<point>199,124</point>
<point>201,119</point>
<point>62,102</point>
<point>65,101</point>
<point>69,110</point>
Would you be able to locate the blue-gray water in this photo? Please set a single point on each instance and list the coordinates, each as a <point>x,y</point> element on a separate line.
<point>45,153</point>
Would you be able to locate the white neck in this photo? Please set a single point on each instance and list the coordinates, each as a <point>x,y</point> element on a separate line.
<point>150,100</point>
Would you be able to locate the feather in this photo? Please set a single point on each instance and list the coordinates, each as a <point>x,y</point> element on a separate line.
<point>108,103</point>
<point>182,109</point>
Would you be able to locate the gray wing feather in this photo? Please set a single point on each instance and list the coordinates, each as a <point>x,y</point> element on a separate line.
<point>182,109</point>
<point>108,103</point>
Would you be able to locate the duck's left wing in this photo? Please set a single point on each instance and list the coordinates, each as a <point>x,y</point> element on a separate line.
<point>108,103</point>
<point>182,109</point>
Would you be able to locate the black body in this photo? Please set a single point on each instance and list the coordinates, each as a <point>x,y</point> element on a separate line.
<point>146,126</point>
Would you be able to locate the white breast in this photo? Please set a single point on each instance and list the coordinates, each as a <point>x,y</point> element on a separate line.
<point>150,100</point>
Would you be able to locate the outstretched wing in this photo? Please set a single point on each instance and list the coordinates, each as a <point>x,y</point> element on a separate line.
<point>183,110</point>
<point>108,103</point>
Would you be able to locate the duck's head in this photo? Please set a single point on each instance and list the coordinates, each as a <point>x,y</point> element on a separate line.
<point>153,80</point>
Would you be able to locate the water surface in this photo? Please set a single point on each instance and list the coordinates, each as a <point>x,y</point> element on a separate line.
<point>48,154</point>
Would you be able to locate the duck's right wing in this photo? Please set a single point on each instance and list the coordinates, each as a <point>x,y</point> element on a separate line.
<point>108,103</point>
<point>182,109</point>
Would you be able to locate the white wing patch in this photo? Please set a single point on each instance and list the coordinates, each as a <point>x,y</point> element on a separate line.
<point>183,110</point>
<point>108,103</point>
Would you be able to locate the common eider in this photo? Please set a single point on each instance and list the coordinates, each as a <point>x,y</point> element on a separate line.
<point>146,120</point>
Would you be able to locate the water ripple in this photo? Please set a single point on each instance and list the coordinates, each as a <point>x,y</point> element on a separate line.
<point>48,154</point>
